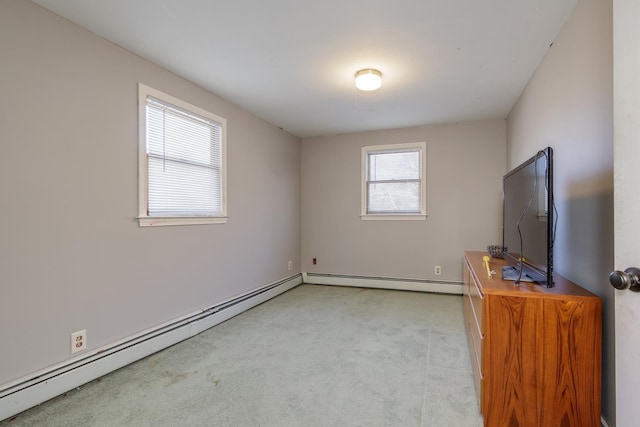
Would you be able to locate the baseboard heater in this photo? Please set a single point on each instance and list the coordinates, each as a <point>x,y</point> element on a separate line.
<point>420,285</point>
<point>39,387</point>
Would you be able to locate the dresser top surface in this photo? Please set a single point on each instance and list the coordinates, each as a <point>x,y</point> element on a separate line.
<point>562,288</point>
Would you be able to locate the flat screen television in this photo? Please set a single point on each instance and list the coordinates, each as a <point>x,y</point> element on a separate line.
<point>529,218</point>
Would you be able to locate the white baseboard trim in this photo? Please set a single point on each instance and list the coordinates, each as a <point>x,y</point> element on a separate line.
<point>440,287</point>
<point>41,386</point>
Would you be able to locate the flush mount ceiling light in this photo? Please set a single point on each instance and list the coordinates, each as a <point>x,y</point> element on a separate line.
<point>368,79</point>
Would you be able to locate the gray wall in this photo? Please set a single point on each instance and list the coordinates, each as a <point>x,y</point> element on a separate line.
<point>569,106</point>
<point>465,164</point>
<point>71,254</point>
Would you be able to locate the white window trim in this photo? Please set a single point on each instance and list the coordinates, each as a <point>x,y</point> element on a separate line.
<point>144,220</point>
<point>422,147</point>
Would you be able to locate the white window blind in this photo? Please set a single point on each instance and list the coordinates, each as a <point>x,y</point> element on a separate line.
<point>184,157</point>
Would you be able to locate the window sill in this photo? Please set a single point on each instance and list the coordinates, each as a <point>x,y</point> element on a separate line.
<point>148,221</point>
<point>391,217</point>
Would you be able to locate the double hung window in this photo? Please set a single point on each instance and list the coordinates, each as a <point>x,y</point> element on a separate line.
<point>182,176</point>
<point>393,181</point>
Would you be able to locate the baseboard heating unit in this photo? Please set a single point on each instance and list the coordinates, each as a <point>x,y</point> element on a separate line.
<point>419,285</point>
<point>39,387</point>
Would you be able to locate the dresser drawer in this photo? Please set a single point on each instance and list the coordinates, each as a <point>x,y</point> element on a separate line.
<point>477,304</point>
<point>478,375</point>
<point>476,336</point>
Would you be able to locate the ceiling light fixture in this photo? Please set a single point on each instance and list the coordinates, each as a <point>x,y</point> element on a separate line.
<point>368,79</point>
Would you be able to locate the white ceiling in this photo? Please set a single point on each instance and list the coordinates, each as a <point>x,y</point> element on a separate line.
<point>292,62</point>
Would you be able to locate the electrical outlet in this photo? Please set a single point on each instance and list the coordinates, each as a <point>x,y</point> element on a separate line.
<point>78,341</point>
<point>437,270</point>
<point>290,265</point>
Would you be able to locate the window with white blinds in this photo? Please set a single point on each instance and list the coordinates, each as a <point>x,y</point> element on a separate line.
<point>183,160</point>
<point>393,183</point>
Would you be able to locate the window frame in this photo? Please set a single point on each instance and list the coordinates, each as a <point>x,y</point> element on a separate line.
<point>421,147</point>
<point>144,220</point>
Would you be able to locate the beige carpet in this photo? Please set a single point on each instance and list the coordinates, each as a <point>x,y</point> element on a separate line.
<point>314,356</point>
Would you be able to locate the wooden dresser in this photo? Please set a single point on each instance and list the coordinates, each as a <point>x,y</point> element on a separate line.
<point>536,352</point>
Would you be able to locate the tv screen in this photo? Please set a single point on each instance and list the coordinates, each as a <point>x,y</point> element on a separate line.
<point>529,220</point>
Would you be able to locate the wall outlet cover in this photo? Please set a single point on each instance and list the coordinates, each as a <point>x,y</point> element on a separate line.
<point>78,341</point>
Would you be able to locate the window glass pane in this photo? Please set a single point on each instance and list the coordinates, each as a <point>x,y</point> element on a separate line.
<point>179,136</point>
<point>181,189</point>
<point>185,163</point>
<point>394,166</point>
<point>399,197</point>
